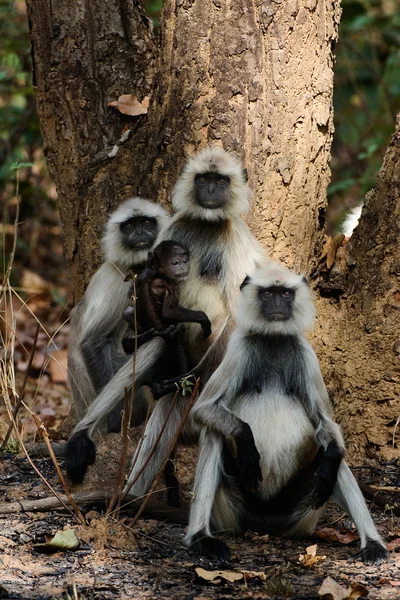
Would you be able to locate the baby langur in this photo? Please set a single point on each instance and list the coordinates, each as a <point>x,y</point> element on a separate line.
<point>271,455</point>
<point>157,305</point>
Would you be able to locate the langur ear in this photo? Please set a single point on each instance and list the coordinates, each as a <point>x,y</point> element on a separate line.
<point>245,175</point>
<point>305,281</point>
<point>245,281</point>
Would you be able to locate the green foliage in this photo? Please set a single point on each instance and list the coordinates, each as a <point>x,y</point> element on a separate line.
<point>366,98</point>
<point>19,127</point>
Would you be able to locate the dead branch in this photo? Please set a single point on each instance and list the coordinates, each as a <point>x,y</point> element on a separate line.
<point>41,449</point>
<point>152,510</point>
<point>378,499</point>
<point>45,437</point>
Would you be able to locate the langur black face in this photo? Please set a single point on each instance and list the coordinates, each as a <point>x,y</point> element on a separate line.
<point>212,190</point>
<point>174,263</point>
<point>139,233</point>
<point>276,302</point>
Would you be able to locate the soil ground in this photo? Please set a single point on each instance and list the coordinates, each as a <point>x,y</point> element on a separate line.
<point>114,560</point>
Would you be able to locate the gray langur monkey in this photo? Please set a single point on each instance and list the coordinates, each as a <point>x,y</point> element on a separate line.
<point>96,360</point>
<point>270,453</point>
<point>209,198</point>
<point>97,326</point>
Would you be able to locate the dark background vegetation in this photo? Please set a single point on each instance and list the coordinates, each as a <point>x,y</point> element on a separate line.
<point>366,100</point>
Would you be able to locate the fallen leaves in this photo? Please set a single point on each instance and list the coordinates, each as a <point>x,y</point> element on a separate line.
<point>331,590</point>
<point>217,577</point>
<point>62,541</point>
<point>310,558</point>
<point>344,536</point>
<point>128,104</point>
<point>328,254</point>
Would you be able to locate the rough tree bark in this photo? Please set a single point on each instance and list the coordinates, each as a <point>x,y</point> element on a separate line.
<point>255,76</point>
<point>358,339</point>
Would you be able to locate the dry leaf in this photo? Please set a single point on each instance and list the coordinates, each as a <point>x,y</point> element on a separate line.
<point>128,104</point>
<point>216,576</point>
<point>356,591</point>
<point>63,540</point>
<point>331,246</point>
<point>336,535</point>
<point>32,283</point>
<point>393,544</point>
<point>395,583</point>
<point>331,590</point>
<point>310,558</point>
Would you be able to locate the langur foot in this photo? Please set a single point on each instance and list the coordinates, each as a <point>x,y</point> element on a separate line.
<point>80,452</point>
<point>210,547</point>
<point>373,553</point>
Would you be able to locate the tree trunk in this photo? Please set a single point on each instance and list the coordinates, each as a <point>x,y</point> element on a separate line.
<point>358,339</point>
<point>84,55</point>
<point>257,78</point>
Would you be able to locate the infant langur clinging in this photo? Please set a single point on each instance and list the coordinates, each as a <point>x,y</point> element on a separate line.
<point>271,455</point>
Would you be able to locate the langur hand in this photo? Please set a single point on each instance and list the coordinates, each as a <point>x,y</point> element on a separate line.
<point>128,342</point>
<point>206,327</point>
<point>129,316</point>
<point>248,459</point>
<point>171,332</point>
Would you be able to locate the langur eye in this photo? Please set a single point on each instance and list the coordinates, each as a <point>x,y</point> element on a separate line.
<point>221,182</point>
<point>286,294</point>
<point>175,262</point>
<point>147,222</point>
<point>266,294</point>
<point>202,180</point>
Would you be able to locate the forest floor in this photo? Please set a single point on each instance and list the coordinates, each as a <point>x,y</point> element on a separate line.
<point>114,559</point>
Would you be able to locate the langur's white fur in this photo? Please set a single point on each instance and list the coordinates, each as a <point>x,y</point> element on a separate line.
<point>287,429</point>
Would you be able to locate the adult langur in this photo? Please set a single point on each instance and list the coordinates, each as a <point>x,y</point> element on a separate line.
<point>95,353</point>
<point>270,454</point>
<point>210,198</point>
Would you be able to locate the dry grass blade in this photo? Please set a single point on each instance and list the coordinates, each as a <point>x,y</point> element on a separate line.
<point>21,395</point>
<point>119,484</point>
<point>45,437</point>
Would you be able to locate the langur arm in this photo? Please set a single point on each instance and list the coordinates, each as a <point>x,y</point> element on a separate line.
<point>96,352</point>
<point>172,311</point>
<point>211,411</point>
<point>317,404</point>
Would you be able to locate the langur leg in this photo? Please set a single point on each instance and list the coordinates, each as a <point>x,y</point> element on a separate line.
<point>81,450</point>
<point>153,428</point>
<point>171,483</point>
<point>208,479</point>
<point>349,497</point>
